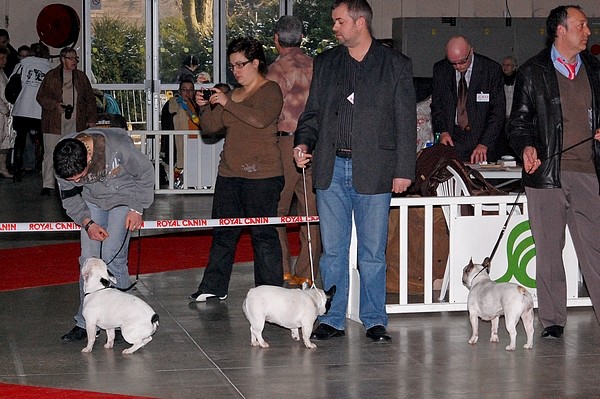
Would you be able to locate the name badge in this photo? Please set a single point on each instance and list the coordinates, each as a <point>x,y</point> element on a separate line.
<point>483,97</point>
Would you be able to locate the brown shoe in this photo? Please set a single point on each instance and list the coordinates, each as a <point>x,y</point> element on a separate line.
<point>287,277</point>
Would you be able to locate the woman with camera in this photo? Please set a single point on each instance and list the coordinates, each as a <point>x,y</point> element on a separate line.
<point>250,176</point>
<point>68,105</point>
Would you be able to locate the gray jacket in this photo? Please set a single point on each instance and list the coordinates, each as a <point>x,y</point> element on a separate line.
<point>128,179</point>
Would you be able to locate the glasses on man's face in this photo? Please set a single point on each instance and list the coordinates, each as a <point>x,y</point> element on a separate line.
<point>463,61</point>
<point>72,58</point>
<point>239,65</point>
<point>186,90</point>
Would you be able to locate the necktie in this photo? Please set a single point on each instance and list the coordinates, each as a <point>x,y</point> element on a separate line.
<point>570,67</point>
<point>461,105</point>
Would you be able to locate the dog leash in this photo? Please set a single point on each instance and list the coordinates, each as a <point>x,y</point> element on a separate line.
<point>512,209</point>
<point>310,254</point>
<point>139,257</point>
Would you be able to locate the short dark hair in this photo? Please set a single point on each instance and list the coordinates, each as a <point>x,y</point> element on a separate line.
<point>289,31</point>
<point>224,87</point>
<point>185,80</point>
<point>40,50</point>
<point>357,9</point>
<point>190,60</point>
<point>4,33</point>
<point>252,49</point>
<point>557,17</point>
<point>4,51</point>
<point>70,158</point>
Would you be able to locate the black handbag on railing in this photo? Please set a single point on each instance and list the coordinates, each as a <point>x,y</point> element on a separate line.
<point>13,87</point>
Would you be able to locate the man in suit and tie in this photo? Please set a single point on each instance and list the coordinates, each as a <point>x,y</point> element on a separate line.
<point>359,129</point>
<point>468,103</point>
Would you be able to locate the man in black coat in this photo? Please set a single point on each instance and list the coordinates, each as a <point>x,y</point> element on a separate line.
<point>359,130</point>
<point>485,102</point>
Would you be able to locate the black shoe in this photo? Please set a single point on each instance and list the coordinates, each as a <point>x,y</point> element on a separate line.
<point>553,332</point>
<point>46,191</point>
<point>378,334</point>
<point>324,332</point>
<point>76,334</point>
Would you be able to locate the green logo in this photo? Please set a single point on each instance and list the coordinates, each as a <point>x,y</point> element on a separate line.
<point>519,254</point>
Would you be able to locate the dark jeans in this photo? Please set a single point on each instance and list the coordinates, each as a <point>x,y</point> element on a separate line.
<point>23,126</point>
<point>240,198</point>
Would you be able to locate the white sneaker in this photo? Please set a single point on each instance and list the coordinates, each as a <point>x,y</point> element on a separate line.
<point>200,297</point>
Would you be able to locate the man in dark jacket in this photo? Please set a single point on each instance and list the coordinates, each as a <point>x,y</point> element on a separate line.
<point>359,128</point>
<point>553,125</point>
<point>475,136</point>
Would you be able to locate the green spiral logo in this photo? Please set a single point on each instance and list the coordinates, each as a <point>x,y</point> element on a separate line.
<point>520,249</point>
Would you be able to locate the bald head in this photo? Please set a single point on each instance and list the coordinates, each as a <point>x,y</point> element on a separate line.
<point>459,53</point>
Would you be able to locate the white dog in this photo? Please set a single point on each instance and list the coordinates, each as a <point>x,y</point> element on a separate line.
<point>289,308</point>
<point>108,308</point>
<point>489,300</point>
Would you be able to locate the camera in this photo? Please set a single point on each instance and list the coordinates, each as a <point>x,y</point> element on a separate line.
<point>68,111</point>
<point>206,93</point>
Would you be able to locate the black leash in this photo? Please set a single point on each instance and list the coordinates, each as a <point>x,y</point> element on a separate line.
<point>522,190</point>
<point>139,257</point>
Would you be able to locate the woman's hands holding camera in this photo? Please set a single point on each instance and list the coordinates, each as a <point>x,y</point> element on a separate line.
<point>217,97</point>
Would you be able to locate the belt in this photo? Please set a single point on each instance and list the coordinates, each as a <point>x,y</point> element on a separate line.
<point>285,134</point>
<point>343,153</point>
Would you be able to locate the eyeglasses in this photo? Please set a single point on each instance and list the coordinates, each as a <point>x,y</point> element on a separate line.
<point>72,58</point>
<point>239,65</point>
<point>463,61</point>
<point>186,90</point>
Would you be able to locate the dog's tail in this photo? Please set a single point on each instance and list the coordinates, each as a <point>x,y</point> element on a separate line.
<point>527,298</point>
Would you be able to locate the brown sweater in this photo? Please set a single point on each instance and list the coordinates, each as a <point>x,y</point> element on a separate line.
<point>250,148</point>
<point>576,101</point>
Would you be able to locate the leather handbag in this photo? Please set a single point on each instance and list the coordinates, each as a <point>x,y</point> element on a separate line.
<point>13,87</point>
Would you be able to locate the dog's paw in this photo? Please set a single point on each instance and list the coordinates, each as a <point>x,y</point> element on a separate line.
<point>86,350</point>
<point>494,338</point>
<point>295,335</point>
<point>528,346</point>
<point>473,339</point>
<point>108,345</point>
<point>254,343</point>
<point>510,348</point>
<point>264,344</point>
<point>310,345</point>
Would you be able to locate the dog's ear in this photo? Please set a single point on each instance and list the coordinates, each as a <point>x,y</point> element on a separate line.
<point>330,292</point>
<point>105,282</point>
<point>486,263</point>
<point>470,263</point>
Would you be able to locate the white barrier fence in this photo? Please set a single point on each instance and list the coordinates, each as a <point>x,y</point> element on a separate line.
<point>469,236</point>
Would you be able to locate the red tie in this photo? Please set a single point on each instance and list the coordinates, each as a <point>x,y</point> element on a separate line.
<point>570,67</point>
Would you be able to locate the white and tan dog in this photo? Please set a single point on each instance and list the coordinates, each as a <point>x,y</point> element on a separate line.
<point>108,308</point>
<point>289,308</point>
<point>489,300</point>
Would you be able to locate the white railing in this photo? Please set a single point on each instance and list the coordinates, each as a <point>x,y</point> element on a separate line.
<point>200,162</point>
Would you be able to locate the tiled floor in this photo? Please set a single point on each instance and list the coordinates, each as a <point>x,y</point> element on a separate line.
<point>202,350</point>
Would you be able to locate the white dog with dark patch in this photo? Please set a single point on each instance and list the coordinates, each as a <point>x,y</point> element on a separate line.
<point>108,308</point>
<point>489,300</point>
<point>289,308</point>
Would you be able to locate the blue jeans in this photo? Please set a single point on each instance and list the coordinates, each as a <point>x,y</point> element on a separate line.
<point>113,221</point>
<point>336,205</point>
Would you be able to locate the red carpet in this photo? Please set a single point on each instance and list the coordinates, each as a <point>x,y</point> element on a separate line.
<point>28,392</point>
<point>58,264</point>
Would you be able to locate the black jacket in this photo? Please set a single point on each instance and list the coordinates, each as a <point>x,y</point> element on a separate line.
<point>536,117</point>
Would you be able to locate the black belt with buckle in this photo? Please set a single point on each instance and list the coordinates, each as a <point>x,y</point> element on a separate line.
<point>343,153</point>
<point>285,134</point>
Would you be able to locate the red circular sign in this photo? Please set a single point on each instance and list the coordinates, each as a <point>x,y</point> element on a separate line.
<point>58,25</point>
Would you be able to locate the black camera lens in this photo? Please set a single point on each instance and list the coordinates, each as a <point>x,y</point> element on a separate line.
<point>206,93</point>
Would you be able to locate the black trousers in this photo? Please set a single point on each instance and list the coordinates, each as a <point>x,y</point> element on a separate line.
<point>242,198</point>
